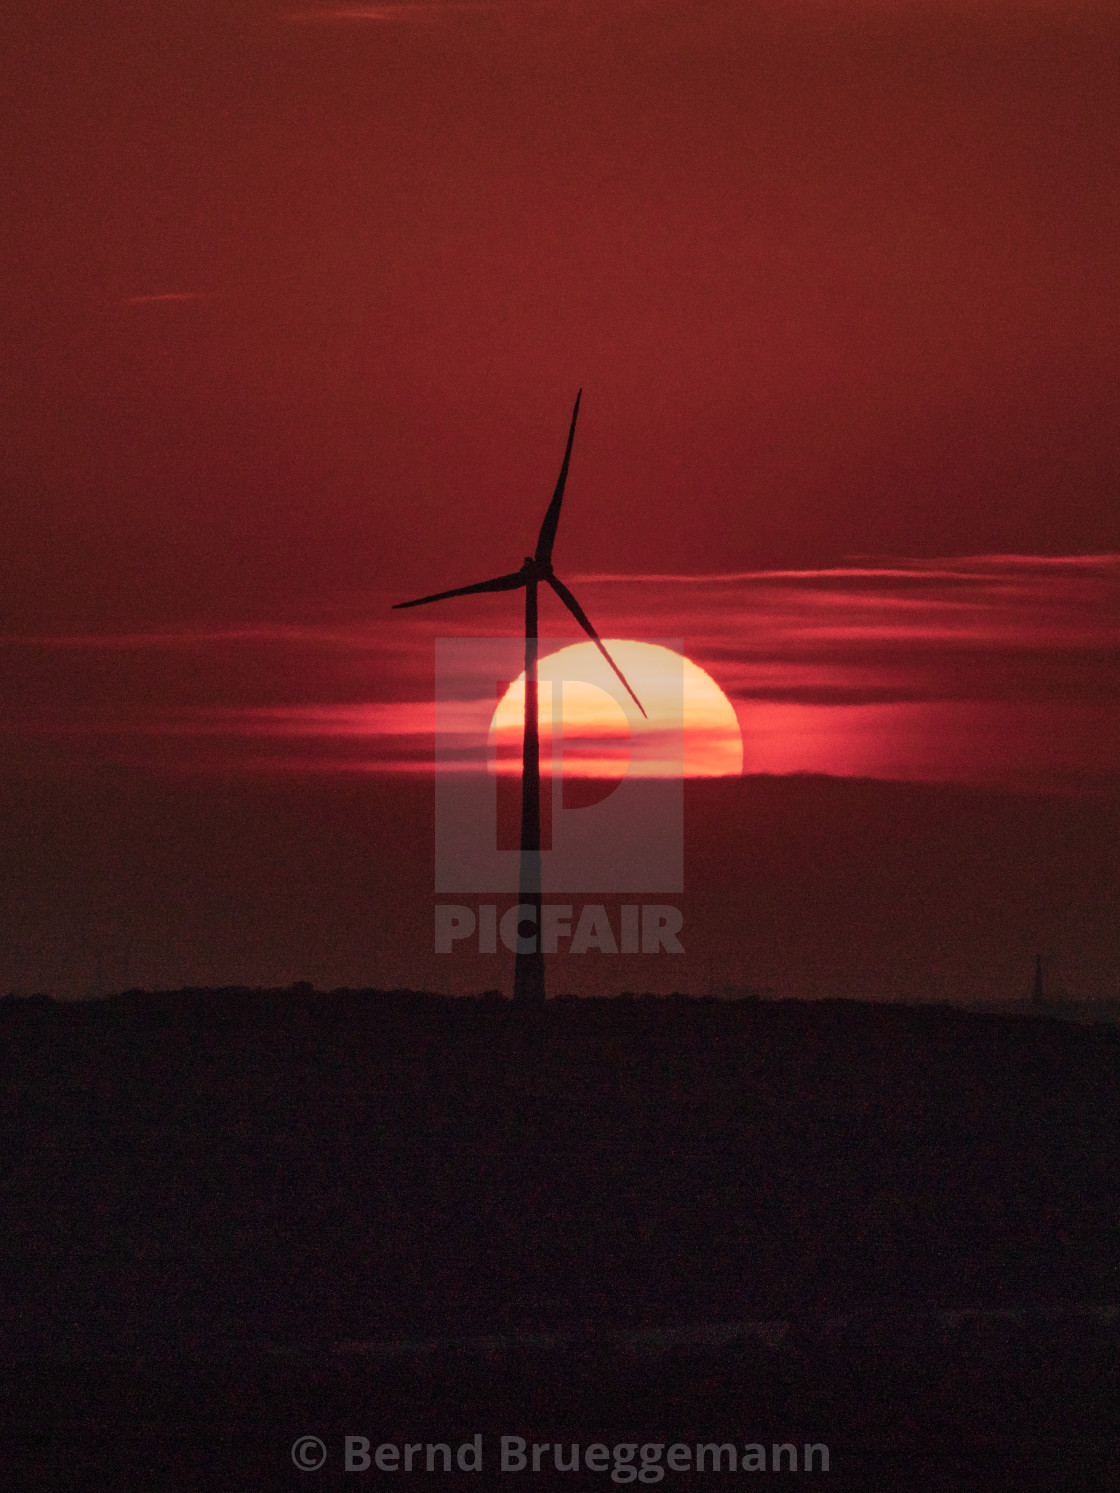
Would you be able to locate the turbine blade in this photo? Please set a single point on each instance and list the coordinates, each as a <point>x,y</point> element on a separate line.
<point>547,537</point>
<point>499,583</point>
<point>581,617</point>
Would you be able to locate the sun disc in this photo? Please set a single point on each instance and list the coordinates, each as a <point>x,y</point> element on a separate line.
<point>690,727</point>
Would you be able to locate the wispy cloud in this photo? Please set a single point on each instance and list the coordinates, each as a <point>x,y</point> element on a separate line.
<point>901,609</point>
<point>872,568</point>
<point>155,298</point>
<point>354,636</point>
<point>393,13</point>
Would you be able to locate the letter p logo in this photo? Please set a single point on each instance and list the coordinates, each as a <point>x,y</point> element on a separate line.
<point>630,839</point>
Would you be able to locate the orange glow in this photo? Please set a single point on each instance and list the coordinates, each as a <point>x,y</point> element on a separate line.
<point>691,727</point>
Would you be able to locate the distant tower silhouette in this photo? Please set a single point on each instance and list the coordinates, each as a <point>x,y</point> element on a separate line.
<point>1036,993</point>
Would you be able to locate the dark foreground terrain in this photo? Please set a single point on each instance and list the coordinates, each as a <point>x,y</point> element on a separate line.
<point>233,1218</point>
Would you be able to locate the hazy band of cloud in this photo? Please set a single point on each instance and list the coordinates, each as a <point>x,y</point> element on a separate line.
<point>991,668</point>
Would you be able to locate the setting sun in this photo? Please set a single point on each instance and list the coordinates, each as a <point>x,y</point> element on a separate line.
<point>691,728</point>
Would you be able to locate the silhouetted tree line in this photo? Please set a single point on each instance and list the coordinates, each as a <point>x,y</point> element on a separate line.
<point>216,1165</point>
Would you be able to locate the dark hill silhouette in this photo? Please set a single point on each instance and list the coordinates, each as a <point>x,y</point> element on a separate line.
<point>235,1172</point>
<point>285,1165</point>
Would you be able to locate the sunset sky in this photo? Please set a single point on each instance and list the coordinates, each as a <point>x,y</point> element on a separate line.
<point>295,301</point>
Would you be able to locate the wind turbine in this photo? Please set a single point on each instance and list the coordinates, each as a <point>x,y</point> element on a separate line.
<point>528,976</point>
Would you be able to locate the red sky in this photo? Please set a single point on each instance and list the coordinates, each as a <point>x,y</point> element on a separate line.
<point>295,302</point>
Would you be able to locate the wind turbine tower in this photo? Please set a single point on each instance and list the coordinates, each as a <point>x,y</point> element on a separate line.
<point>528,976</point>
